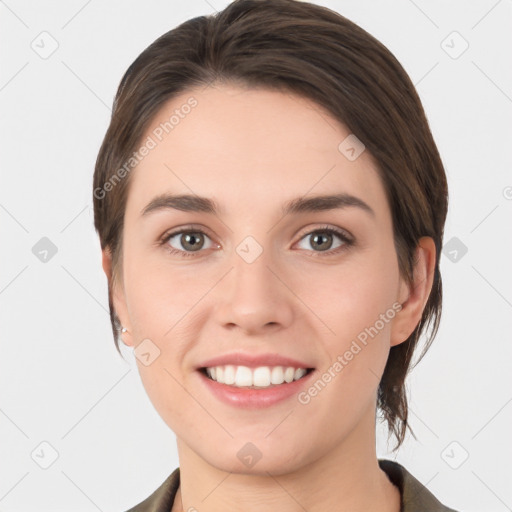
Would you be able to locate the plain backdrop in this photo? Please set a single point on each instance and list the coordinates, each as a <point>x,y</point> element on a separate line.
<point>69,403</point>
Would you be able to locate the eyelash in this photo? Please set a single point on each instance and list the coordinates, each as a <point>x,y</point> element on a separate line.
<point>345,238</point>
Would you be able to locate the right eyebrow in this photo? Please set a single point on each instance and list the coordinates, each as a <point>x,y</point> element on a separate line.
<point>183,202</point>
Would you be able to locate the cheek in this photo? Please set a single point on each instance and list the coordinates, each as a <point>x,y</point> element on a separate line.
<point>164,387</point>
<point>352,297</point>
<point>160,294</point>
<point>356,302</point>
<point>345,297</point>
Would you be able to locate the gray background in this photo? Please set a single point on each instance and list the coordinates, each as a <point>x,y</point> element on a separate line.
<point>61,380</point>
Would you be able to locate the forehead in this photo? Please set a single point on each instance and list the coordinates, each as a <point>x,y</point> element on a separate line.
<point>249,145</point>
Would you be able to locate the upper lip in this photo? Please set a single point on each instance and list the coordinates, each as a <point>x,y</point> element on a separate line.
<point>253,361</point>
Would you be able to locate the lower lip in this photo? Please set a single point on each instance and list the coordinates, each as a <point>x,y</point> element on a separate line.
<point>252,398</point>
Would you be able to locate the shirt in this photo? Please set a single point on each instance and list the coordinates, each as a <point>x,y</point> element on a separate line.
<point>414,496</point>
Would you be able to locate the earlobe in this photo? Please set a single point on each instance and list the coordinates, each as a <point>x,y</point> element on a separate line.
<point>106,263</point>
<point>117,298</point>
<point>126,337</point>
<point>414,297</point>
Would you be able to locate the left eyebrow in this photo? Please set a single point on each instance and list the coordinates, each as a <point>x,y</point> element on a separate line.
<point>193,203</point>
<point>325,202</point>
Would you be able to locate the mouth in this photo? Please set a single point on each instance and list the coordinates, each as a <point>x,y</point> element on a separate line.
<point>261,377</point>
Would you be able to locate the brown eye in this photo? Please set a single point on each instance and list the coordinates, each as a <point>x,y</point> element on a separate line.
<point>187,242</point>
<point>324,240</point>
<point>191,241</point>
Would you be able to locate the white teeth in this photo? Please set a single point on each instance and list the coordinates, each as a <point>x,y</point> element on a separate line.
<point>243,376</point>
<point>277,375</point>
<point>299,373</point>
<point>261,377</point>
<point>289,373</point>
<point>229,374</point>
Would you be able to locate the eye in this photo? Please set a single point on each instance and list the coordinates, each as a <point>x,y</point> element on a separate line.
<point>321,240</point>
<point>186,242</point>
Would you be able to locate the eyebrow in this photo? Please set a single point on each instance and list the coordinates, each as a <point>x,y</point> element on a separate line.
<point>194,203</point>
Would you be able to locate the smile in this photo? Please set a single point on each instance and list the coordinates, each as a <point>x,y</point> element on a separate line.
<point>257,378</point>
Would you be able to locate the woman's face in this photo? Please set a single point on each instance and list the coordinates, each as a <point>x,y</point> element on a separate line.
<point>263,280</point>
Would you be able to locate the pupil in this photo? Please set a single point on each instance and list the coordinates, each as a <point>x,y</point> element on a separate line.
<point>190,239</point>
<point>322,236</point>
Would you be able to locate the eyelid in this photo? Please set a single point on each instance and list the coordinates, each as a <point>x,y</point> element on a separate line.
<point>184,229</point>
<point>346,237</point>
<point>343,233</point>
<point>164,239</point>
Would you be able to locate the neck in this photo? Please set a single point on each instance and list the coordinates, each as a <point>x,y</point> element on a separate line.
<point>347,478</point>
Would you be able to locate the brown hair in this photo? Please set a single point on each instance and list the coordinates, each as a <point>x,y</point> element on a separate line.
<point>314,52</point>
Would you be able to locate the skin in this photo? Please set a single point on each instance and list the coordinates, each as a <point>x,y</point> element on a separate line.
<point>251,150</point>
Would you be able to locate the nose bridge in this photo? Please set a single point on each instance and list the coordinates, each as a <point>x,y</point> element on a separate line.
<point>253,297</point>
<point>251,263</point>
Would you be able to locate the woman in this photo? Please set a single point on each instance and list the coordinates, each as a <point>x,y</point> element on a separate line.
<point>270,204</point>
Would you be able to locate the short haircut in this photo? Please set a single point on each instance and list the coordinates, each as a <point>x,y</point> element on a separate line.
<point>312,51</point>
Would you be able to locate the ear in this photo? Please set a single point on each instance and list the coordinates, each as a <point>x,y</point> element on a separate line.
<point>116,294</point>
<point>414,297</point>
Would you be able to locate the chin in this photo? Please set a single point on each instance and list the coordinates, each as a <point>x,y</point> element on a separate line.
<point>249,458</point>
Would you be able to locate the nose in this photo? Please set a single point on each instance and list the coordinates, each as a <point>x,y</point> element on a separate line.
<point>254,297</point>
